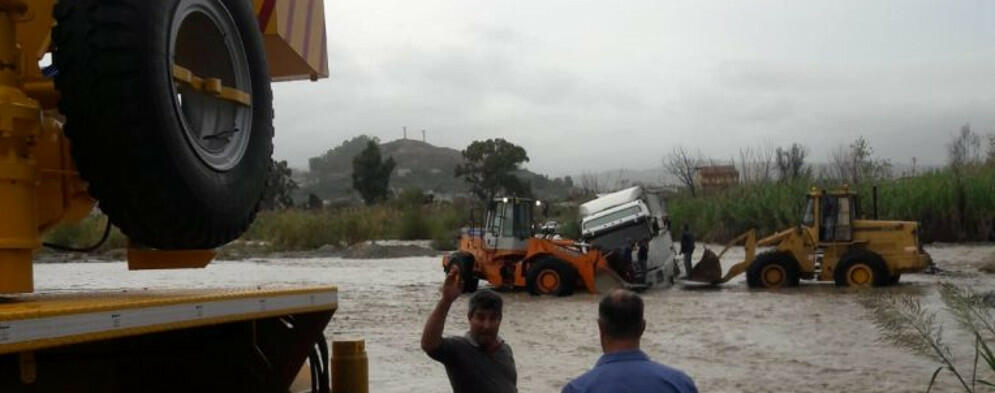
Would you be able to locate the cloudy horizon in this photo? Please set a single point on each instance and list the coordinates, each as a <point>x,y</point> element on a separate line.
<point>588,86</point>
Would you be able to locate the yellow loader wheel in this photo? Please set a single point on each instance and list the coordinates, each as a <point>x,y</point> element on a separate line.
<point>861,268</point>
<point>551,276</point>
<point>773,269</point>
<point>169,111</point>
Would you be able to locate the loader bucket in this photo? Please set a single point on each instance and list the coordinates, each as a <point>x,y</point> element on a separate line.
<point>707,270</point>
<point>606,280</point>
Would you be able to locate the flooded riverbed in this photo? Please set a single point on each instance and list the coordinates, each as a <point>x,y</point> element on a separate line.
<point>815,338</point>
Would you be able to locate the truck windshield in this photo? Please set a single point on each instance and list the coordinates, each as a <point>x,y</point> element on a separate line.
<point>607,218</point>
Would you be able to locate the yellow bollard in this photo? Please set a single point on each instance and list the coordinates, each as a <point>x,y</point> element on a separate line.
<point>350,368</point>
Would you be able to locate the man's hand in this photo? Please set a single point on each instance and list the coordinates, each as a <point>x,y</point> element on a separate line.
<point>452,287</point>
<point>431,336</point>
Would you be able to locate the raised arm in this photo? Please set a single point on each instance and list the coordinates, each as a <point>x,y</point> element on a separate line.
<point>431,335</point>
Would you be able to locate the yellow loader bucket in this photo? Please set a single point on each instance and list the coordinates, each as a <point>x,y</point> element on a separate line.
<point>707,270</point>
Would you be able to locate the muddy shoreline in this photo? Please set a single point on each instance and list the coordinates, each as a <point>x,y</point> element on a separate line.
<point>238,251</point>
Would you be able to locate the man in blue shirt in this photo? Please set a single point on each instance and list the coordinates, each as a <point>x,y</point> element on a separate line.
<point>624,368</point>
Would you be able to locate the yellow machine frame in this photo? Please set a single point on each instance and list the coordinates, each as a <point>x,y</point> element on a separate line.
<point>97,341</point>
<point>39,187</point>
<point>896,242</point>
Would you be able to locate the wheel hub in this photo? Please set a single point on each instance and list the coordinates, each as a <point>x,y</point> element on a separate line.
<point>548,281</point>
<point>773,276</point>
<point>859,276</point>
<point>204,39</point>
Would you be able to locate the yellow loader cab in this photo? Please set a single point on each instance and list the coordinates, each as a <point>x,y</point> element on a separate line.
<point>830,244</point>
<point>860,251</point>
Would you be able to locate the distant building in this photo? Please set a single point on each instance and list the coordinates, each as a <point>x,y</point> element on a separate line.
<point>716,177</point>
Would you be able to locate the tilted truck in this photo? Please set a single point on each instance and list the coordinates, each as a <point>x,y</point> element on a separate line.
<point>161,112</point>
<point>621,220</point>
<point>508,253</point>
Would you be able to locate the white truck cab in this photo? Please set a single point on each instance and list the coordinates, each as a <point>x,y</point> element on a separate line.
<point>618,222</point>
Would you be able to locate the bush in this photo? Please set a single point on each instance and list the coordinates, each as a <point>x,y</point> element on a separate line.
<point>413,225</point>
<point>86,233</point>
<point>903,321</point>
<point>948,207</point>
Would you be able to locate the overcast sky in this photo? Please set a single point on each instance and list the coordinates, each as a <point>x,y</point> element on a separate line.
<point>594,85</point>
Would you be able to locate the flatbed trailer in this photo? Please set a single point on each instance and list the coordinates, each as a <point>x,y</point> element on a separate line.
<point>245,340</point>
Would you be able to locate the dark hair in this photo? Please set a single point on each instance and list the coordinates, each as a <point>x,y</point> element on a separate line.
<point>485,299</point>
<point>621,314</point>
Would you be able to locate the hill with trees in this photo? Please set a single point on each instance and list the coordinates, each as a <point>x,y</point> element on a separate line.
<point>417,165</point>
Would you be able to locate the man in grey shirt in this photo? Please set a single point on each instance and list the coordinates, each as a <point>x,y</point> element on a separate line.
<point>479,361</point>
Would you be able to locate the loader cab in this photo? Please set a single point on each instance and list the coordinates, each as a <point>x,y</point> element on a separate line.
<point>831,214</point>
<point>509,223</point>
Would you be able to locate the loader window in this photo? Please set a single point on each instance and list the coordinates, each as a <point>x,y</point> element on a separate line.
<point>523,220</point>
<point>507,211</point>
<point>844,216</point>
<point>495,216</point>
<point>808,216</point>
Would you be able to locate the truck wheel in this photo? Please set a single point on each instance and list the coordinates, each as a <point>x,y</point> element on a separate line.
<point>551,276</point>
<point>861,268</point>
<point>467,275</point>
<point>173,167</point>
<point>773,269</point>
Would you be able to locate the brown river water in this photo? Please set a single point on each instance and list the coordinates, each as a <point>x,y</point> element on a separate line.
<point>815,338</point>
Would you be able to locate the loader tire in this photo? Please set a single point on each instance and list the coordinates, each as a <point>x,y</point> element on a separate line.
<point>467,275</point>
<point>773,269</point>
<point>171,167</point>
<point>551,276</point>
<point>861,268</point>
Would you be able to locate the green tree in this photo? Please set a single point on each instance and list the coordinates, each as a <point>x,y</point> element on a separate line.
<point>314,202</point>
<point>489,168</point>
<point>371,174</point>
<point>791,163</point>
<point>279,187</point>
<point>855,164</point>
<point>964,150</point>
<point>338,159</point>
<point>991,149</point>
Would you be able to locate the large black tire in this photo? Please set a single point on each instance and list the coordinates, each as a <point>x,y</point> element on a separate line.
<point>549,275</point>
<point>174,169</point>
<point>773,269</point>
<point>467,276</point>
<point>861,268</point>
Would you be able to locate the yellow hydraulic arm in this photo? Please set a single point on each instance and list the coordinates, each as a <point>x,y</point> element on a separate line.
<point>708,270</point>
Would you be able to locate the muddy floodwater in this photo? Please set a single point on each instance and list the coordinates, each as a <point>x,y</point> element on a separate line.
<point>815,338</point>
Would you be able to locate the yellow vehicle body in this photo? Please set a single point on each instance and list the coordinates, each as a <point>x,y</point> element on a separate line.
<point>39,185</point>
<point>508,268</point>
<point>179,340</point>
<point>827,246</point>
<point>507,254</point>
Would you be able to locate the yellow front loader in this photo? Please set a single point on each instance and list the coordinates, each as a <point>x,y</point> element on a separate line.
<point>831,244</point>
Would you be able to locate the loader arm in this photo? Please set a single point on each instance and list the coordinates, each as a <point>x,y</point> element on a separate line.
<point>709,270</point>
<point>750,247</point>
